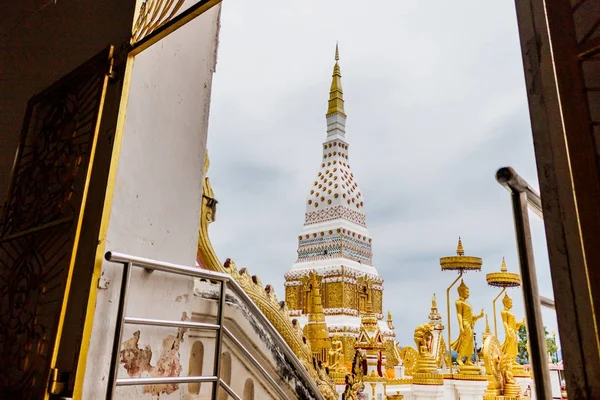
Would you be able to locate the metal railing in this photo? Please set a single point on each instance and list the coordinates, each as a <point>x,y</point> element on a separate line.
<point>225,282</point>
<point>524,197</point>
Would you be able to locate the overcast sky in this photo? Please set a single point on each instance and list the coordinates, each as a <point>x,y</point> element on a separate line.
<point>436,103</point>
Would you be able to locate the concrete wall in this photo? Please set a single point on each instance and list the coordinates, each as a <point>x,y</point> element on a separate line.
<point>155,210</point>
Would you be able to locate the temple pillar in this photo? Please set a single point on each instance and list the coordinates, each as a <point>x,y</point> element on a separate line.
<point>428,392</point>
<point>470,390</point>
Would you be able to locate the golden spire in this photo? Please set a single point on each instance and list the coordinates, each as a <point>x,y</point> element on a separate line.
<point>336,95</point>
<point>487,332</point>
<point>503,266</point>
<point>434,315</point>
<point>459,249</point>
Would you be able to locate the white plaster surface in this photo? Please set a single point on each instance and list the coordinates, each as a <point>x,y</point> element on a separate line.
<point>470,390</point>
<point>428,392</point>
<point>156,205</point>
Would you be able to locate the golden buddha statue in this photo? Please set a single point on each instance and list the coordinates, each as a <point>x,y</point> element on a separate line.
<point>336,353</point>
<point>464,345</point>
<point>510,347</point>
<point>423,337</point>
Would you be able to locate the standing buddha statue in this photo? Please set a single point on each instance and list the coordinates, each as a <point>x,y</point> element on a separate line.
<point>464,345</point>
<point>510,347</point>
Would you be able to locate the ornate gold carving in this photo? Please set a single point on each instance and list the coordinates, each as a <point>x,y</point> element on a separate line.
<point>460,262</point>
<point>423,337</point>
<point>350,296</point>
<point>336,354</point>
<point>334,295</point>
<point>325,383</point>
<point>392,357</point>
<point>316,329</point>
<point>349,343</point>
<point>291,297</point>
<point>492,358</point>
<point>377,301</point>
<point>354,380</point>
<point>153,14</point>
<point>409,358</point>
<point>424,378</point>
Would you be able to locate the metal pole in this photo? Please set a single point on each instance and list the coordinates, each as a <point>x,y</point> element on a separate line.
<point>122,305</point>
<point>535,328</point>
<point>494,308</point>
<point>449,323</point>
<point>219,339</point>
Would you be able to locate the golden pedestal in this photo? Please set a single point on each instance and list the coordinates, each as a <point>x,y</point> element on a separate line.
<point>427,378</point>
<point>469,370</point>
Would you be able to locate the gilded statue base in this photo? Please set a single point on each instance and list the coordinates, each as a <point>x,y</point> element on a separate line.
<point>519,371</point>
<point>511,390</point>
<point>469,369</point>
<point>338,377</point>
<point>494,388</point>
<point>426,378</point>
<point>426,365</point>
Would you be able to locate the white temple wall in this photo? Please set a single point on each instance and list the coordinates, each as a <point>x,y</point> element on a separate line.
<point>155,210</point>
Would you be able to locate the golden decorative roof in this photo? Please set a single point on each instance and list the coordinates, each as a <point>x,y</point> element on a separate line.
<point>460,262</point>
<point>503,278</point>
<point>336,94</point>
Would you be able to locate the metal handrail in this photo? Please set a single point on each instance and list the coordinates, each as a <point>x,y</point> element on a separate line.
<point>226,282</point>
<point>524,197</point>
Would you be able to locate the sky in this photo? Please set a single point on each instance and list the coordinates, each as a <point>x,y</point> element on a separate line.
<point>436,103</point>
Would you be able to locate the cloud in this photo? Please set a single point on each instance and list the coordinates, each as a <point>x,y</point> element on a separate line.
<point>436,103</point>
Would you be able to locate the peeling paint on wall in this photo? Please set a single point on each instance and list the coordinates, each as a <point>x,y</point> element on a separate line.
<point>136,361</point>
<point>184,298</point>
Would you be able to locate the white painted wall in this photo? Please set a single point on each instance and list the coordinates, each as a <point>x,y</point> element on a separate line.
<point>156,205</point>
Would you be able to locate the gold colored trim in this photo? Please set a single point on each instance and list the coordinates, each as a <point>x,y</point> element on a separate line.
<point>99,258</point>
<point>426,378</point>
<point>171,26</point>
<point>467,377</point>
<point>63,310</point>
<point>400,381</point>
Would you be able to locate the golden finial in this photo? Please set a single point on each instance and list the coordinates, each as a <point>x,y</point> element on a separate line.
<point>336,95</point>
<point>459,249</point>
<point>390,323</point>
<point>503,278</point>
<point>434,315</point>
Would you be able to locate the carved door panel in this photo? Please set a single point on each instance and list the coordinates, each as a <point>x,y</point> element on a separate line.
<point>39,229</point>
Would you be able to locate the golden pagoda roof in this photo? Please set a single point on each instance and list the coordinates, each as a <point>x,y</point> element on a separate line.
<point>336,94</point>
<point>503,278</point>
<point>460,262</point>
